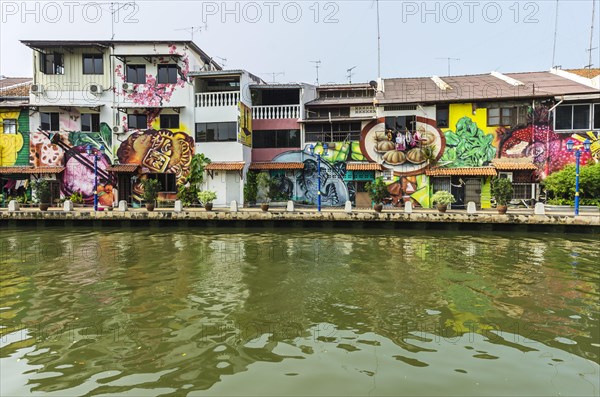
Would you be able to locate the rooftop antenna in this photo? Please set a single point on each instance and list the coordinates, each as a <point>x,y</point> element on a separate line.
<point>274,75</point>
<point>113,11</point>
<point>378,44</point>
<point>448,59</point>
<point>192,30</point>
<point>349,75</point>
<point>223,61</point>
<point>555,34</point>
<point>590,49</point>
<point>317,66</point>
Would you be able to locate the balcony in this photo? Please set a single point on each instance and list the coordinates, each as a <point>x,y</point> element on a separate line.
<point>217,99</point>
<point>275,112</point>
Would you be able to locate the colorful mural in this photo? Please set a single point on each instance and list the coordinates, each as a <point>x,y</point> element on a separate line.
<point>468,146</point>
<point>68,149</point>
<point>414,188</point>
<point>402,150</point>
<point>13,147</point>
<point>245,125</point>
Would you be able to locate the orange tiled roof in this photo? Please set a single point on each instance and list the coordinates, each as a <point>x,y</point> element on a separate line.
<point>462,171</point>
<point>363,166</point>
<point>587,73</point>
<point>123,168</point>
<point>516,164</point>
<point>226,166</point>
<point>31,170</point>
<point>272,165</point>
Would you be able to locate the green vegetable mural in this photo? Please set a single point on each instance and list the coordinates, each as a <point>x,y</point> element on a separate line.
<point>340,151</point>
<point>469,146</point>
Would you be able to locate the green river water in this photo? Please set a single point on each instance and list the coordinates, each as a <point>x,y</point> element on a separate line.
<point>192,312</point>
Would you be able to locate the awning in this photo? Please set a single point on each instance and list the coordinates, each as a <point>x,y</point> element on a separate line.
<point>28,170</point>
<point>514,164</point>
<point>462,171</point>
<point>363,166</point>
<point>225,166</point>
<point>276,166</point>
<point>124,168</point>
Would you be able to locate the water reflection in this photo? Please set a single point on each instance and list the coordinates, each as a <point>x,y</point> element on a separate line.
<point>172,311</point>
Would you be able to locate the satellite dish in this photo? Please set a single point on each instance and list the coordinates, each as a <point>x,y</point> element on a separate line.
<point>373,83</point>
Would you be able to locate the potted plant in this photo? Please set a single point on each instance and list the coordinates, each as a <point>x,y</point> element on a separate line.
<point>378,191</point>
<point>42,192</point>
<point>151,189</point>
<point>442,198</point>
<point>502,190</point>
<point>76,198</point>
<point>263,184</point>
<point>206,197</point>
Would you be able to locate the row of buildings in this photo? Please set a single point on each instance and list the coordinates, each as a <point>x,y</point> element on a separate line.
<point>151,105</point>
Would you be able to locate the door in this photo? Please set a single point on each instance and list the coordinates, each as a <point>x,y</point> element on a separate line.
<point>473,191</point>
<point>232,186</point>
<point>124,187</point>
<point>362,196</point>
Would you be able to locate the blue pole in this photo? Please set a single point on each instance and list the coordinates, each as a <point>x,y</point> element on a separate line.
<point>95,182</point>
<point>319,182</point>
<point>577,156</point>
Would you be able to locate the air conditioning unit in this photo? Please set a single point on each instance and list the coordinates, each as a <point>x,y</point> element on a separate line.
<point>117,129</point>
<point>37,89</point>
<point>128,87</point>
<point>96,89</point>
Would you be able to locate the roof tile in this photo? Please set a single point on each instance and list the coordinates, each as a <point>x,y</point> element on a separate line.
<point>462,171</point>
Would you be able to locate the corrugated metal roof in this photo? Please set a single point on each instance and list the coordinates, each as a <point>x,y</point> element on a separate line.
<point>31,170</point>
<point>276,166</point>
<point>225,166</point>
<point>363,166</point>
<point>462,171</point>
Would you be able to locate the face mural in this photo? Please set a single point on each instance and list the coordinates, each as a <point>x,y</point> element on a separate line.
<point>68,149</point>
<point>404,145</point>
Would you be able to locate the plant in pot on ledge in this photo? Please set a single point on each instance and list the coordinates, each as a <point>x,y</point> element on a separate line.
<point>502,190</point>
<point>263,184</point>
<point>42,192</point>
<point>206,197</point>
<point>151,189</point>
<point>442,198</point>
<point>378,191</point>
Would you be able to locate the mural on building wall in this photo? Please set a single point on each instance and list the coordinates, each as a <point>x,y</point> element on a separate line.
<point>245,125</point>
<point>415,188</point>
<point>468,145</point>
<point>12,146</point>
<point>400,149</point>
<point>152,93</point>
<point>68,149</point>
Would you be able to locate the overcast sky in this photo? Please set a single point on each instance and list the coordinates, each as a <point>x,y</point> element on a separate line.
<point>284,36</point>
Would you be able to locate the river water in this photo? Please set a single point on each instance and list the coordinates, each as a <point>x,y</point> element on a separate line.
<point>193,312</point>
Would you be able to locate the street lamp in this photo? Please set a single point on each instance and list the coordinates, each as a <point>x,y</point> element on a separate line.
<point>312,152</point>
<point>90,151</point>
<point>578,151</point>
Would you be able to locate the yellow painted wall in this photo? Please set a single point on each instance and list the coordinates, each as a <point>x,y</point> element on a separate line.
<point>10,144</point>
<point>460,110</point>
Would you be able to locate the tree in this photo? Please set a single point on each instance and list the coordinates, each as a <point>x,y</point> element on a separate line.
<point>560,186</point>
<point>188,192</point>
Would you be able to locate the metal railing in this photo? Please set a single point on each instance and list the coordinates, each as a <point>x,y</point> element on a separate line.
<point>276,112</point>
<point>524,191</point>
<point>216,99</point>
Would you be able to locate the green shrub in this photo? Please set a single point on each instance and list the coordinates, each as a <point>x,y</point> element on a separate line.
<point>502,190</point>
<point>151,189</point>
<point>76,198</point>
<point>560,186</point>
<point>378,190</point>
<point>42,191</point>
<point>442,197</point>
<point>251,187</point>
<point>207,196</point>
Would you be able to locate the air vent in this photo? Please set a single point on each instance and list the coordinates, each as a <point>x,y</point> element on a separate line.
<point>395,108</point>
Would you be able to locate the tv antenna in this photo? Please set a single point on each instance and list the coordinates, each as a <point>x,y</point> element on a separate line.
<point>274,75</point>
<point>349,75</point>
<point>448,59</point>
<point>223,61</point>
<point>193,29</point>
<point>555,35</point>
<point>113,11</point>
<point>378,43</point>
<point>590,49</point>
<point>317,66</point>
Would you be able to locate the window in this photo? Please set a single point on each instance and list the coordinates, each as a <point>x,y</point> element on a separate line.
<point>167,74</point>
<point>137,121</point>
<point>169,121</point>
<point>90,122</point>
<point>93,64</point>
<point>136,74</point>
<point>276,139</point>
<point>216,132</point>
<point>500,116</point>
<point>572,117</point>
<point>597,116</point>
<point>168,182</point>
<point>323,113</point>
<point>52,63</point>
<point>49,122</point>
<point>9,126</point>
<point>442,115</point>
<point>333,132</point>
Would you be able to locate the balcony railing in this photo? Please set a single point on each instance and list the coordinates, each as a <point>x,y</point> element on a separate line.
<point>275,112</point>
<point>217,99</point>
